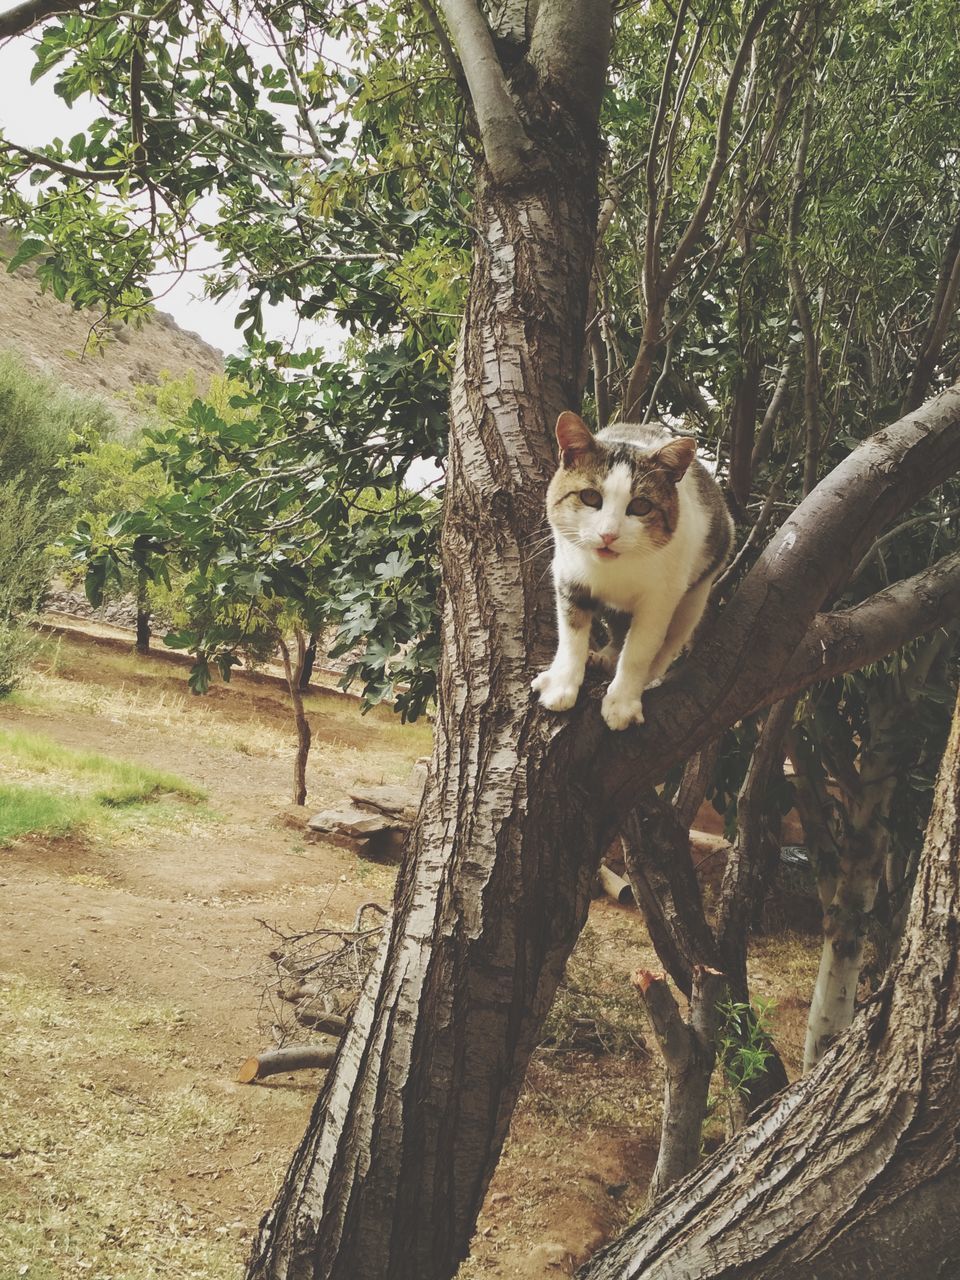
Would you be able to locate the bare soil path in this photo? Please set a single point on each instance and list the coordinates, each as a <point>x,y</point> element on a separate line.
<point>132,964</point>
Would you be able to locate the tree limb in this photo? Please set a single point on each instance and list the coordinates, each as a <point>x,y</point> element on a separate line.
<point>852,638</point>
<point>721,149</point>
<point>13,22</point>
<point>569,49</point>
<point>443,40</point>
<point>69,170</point>
<point>505,143</point>
<point>741,661</point>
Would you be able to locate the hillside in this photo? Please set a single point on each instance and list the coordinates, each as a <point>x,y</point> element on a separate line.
<point>52,338</point>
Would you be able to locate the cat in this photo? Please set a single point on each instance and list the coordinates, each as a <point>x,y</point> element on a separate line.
<point>641,532</point>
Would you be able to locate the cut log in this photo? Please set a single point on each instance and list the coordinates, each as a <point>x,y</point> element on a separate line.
<point>332,1023</point>
<point>615,886</point>
<point>292,1057</point>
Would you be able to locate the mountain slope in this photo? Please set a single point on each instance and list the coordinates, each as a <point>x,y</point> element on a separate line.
<point>52,338</point>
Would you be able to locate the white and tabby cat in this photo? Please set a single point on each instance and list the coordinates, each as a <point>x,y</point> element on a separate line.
<point>641,532</point>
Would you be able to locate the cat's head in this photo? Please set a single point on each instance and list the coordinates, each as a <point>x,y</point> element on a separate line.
<point>614,498</point>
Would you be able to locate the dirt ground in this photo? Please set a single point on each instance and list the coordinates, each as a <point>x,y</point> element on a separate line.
<point>132,965</point>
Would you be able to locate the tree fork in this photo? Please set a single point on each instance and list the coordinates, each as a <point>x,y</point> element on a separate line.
<point>497,880</point>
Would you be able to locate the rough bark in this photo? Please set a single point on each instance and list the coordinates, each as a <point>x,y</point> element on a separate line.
<point>519,804</point>
<point>294,675</point>
<point>498,875</point>
<point>689,1049</point>
<point>855,1169</point>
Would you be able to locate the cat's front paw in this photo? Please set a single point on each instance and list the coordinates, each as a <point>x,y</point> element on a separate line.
<point>558,690</point>
<point>621,710</point>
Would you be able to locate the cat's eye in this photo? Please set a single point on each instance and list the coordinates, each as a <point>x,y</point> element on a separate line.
<point>639,507</point>
<point>591,498</point>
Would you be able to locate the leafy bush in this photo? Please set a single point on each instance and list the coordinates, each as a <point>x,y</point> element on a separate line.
<point>18,645</point>
<point>39,422</point>
<point>27,523</point>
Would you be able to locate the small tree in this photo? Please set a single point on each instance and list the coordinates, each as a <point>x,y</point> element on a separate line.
<point>286,515</point>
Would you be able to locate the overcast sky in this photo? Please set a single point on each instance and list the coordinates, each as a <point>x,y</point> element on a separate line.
<point>33,114</point>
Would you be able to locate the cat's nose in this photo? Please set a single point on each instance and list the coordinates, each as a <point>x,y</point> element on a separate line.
<point>608,538</point>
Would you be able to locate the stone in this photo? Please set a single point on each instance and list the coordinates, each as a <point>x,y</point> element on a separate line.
<point>397,802</point>
<point>351,822</point>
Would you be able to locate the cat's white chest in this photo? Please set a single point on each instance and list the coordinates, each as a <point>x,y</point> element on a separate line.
<point>626,582</point>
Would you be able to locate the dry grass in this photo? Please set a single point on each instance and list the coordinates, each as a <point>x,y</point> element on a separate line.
<point>253,720</point>
<point>79,1172</point>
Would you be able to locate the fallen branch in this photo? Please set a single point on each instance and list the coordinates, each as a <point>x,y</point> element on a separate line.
<point>292,1057</point>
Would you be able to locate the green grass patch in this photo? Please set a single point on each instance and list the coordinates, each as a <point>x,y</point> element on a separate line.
<point>30,810</point>
<point>82,787</point>
<point>115,782</point>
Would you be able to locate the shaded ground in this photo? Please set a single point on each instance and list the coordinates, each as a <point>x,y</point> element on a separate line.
<point>131,969</point>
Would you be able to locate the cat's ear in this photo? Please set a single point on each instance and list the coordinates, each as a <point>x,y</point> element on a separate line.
<point>676,456</point>
<point>573,437</point>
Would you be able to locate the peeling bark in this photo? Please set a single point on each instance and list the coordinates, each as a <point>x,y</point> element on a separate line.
<point>497,879</point>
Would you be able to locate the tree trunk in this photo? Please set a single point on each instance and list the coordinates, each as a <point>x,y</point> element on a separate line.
<point>848,867</point>
<point>854,1170</point>
<point>309,662</point>
<point>519,804</point>
<point>143,615</point>
<point>844,932</point>
<point>497,879</point>
<point>689,1049</point>
<point>294,675</point>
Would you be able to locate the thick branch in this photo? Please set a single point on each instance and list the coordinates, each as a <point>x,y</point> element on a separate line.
<point>741,662</point>
<point>504,141</point>
<point>852,638</point>
<point>13,22</point>
<point>570,48</point>
<point>852,1170</point>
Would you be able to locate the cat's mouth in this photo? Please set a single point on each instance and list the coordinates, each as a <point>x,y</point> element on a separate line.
<point>607,553</point>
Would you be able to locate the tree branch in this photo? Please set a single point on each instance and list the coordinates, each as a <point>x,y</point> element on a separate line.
<point>443,40</point>
<point>570,48</point>
<point>721,149</point>
<point>13,22</point>
<point>741,661</point>
<point>852,638</point>
<point>505,143</point>
<point>69,170</point>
